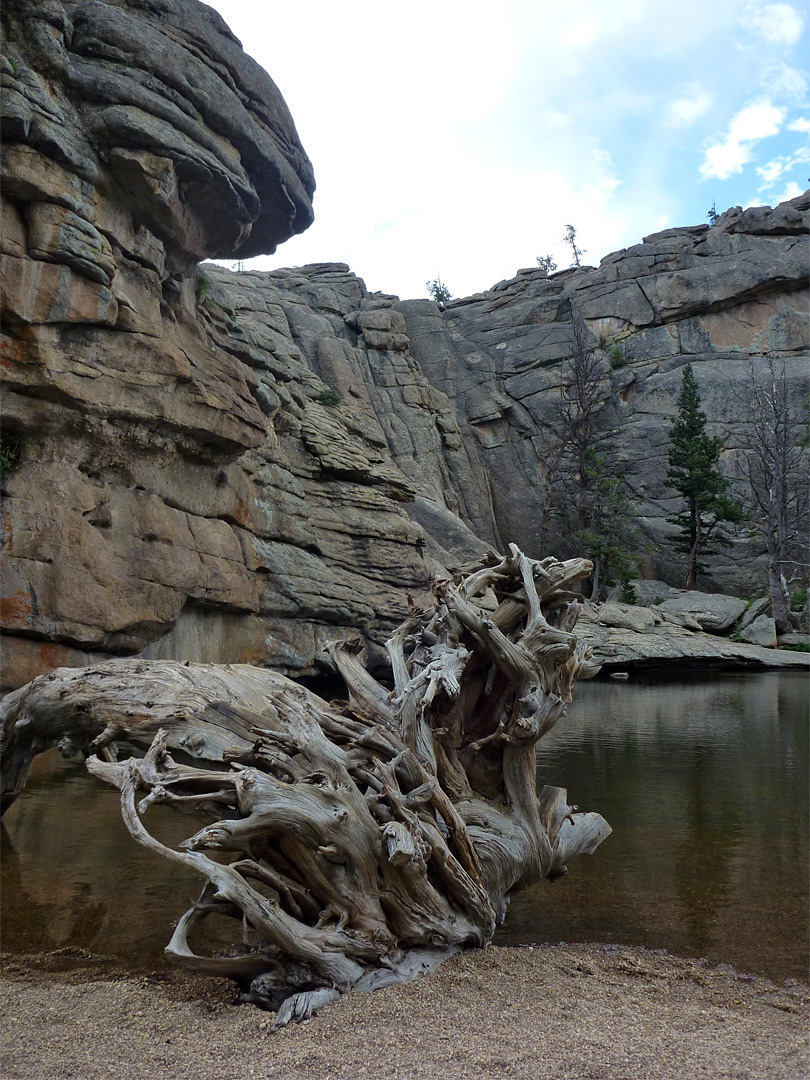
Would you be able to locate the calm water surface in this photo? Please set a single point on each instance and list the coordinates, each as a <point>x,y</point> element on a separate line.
<point>705,783</point>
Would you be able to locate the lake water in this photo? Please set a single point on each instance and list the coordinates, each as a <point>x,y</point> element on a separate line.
<point>705,782</point>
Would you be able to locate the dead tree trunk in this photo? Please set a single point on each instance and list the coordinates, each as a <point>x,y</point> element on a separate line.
<point>358,843</point>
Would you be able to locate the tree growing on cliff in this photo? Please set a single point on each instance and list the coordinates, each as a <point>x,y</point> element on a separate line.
<point>582,398</point>
<point>438,291</point>
<point>590,501</point>
<point>570,238</point>
<point>610,535</point>
<point>693,471</point>
<point>774,466</point>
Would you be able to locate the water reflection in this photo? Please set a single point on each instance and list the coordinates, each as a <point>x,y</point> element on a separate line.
<point>71,875</point>
<point>705,783</point>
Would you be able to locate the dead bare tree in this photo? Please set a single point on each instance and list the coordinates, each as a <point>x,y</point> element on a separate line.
<point>354,844</point>
<point>571,461</point>
<point>573,434</point>
<point>774,466</point>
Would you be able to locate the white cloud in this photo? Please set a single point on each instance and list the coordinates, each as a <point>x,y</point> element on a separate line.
<point>771,172</point>
<point>774,170</point>
<point>801,124</point>
<point>751,124</point>
<point>792,191</point>
<point>786,83</point>
<point>693,103</point>
<point>457,139</point>
<point>604,181</point>
<point>780,24</point>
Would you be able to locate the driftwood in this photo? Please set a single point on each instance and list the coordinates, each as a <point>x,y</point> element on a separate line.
<point>354,843</point>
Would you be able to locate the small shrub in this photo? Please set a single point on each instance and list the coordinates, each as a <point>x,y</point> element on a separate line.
<point>617,357</point>
<point>736,633</point>
<point>203,287</point>
<point>329,397</point>
<point>438,291</point>
<point>11,448</point>
<point>547,263</point>
<point>801,647</point>
<point>798,598</point>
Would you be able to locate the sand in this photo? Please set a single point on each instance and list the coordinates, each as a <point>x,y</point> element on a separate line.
<point>584,1012</point>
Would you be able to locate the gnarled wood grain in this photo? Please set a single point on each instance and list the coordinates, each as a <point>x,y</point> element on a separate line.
<point>352,844</point>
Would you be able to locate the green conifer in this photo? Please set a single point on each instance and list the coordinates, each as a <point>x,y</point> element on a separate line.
<point>693,472</point>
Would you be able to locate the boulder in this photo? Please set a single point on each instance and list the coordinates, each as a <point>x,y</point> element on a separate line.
<point>793,639</point>
<point>627,616</point>
<point>680,618</point>
<point>762,631</point>
<point>759,607</point>
<point>715,612</point>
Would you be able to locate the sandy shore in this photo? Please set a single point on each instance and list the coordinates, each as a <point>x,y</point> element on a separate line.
<point>584,1012</point>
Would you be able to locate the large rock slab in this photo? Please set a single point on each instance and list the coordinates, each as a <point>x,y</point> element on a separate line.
<point>668,645</point>
<point>714,611</point>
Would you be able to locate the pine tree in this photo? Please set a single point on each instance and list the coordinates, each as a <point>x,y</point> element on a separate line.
<point>610,535</point>
<point>693,472</point>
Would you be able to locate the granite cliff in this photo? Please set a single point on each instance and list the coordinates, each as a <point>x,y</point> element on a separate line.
<point>225,467</point>
<point>717,297</point>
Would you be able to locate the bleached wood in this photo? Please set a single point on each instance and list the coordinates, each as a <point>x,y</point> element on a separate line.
<point>351,845</point>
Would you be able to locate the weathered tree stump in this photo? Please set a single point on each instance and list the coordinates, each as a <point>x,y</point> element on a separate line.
<point>356,843</point>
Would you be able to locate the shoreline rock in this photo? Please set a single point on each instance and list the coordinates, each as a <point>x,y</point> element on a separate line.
<point>667,644</point>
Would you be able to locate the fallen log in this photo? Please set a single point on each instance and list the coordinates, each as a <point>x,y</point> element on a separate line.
<point>354,843</point>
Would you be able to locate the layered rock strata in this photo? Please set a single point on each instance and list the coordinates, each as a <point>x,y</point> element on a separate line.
<point>719,297</point>
<point>139,139</point>
<point>213,466</point>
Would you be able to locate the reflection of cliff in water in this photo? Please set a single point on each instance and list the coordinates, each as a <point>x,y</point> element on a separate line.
<point>705,784</point>
<point>31,926</point>
<point>73,876</point>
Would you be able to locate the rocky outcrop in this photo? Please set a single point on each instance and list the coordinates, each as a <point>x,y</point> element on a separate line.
<point>213,466</point>
<point>714,296</point>
<point>713,612</point>
<point>641,638</point>
<point>176,485</point>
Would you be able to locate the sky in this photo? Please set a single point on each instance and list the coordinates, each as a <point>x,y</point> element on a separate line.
<point>458,139</point>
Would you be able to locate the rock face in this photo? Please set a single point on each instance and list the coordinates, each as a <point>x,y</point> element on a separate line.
<point>165,496</point>
<point>714,296</point>
<point>242,467</point>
